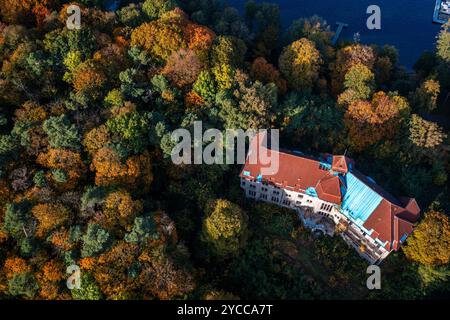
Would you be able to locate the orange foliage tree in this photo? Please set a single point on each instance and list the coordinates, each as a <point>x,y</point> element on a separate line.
<point>48,277</point>
<point>119,210</point>
<point>109,169</point>
<point>49,217</point>
<point>370,121</point>
<point>112,270</point>
<point>68,161</point>
<point>265,72</point>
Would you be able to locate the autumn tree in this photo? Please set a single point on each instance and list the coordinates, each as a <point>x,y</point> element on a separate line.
<point>370,121</point>
<point>314,28</point>
<point>228,50</point>
<point>96,139</point>
<point>224,227</point>
<point>443,43</point>
<point>300,63</point>
<point>162,277</point>
<point>425,134</point>
<point>266,73</point>
<point>205,86</point>
<point>159,38</point>
<point>114,270</point>
<point>429,244</point>
<point>224,75</point>
<point>25,11</point>
<point>346,58</point>
<point>199,39</point>
<point>49,277</point>
<point>135,172</point>
<point>67,161</point>
<point>183,67</point>
<point>49,216</point>
<point>154,9</point>
<point>426,96</point>
<point>249,106</point>
<point>359,84</point>
<point>119,210</point>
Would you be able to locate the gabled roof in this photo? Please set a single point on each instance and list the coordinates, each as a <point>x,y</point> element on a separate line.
<point>329,189</point>
<point>341,164</point>
<point>361,199</point>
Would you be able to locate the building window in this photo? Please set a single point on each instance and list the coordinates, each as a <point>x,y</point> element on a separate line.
<point>252,193</point>
<point>300,196</point>
<point>264,196</point>
<point>286,202</point>
<point>275,199</point>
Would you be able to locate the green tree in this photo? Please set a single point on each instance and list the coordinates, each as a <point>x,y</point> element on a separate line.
<point>95,241</point>
<point>130,130</point>
<point>205,86</point>
<point>143,228</point>
<point>225,227</point>
<point>23,284</point>
<point>61,133</point>
<point>89,289</point>
<point>359,84</point>
<point>18,219</point>
<point>228,50</point>
<point>154,9</point>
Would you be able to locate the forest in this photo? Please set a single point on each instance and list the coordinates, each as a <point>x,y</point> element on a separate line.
<point>86,177</point>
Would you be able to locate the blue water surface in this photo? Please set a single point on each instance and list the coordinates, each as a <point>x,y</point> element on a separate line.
<point>406,24</point>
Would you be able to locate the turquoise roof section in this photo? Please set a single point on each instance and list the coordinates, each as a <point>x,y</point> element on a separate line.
<point>359,200</point>
<point>311,191</point>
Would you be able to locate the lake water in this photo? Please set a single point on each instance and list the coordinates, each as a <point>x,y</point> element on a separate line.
<point>406,24</point>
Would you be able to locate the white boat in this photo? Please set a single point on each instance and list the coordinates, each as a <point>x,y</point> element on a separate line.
<point>445,7</point>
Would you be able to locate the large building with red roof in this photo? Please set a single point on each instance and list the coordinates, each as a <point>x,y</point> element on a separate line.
<point>332,196</point>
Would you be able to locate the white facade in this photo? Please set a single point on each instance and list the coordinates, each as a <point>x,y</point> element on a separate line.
<point>366,246</point>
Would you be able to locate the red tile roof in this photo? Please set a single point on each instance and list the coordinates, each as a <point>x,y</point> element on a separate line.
<point>329,189</point>
<point>389,221</point>
<point>341,164</point>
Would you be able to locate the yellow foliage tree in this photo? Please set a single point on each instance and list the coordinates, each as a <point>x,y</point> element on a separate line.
<point>300,63</point>
<point>429,244</point>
